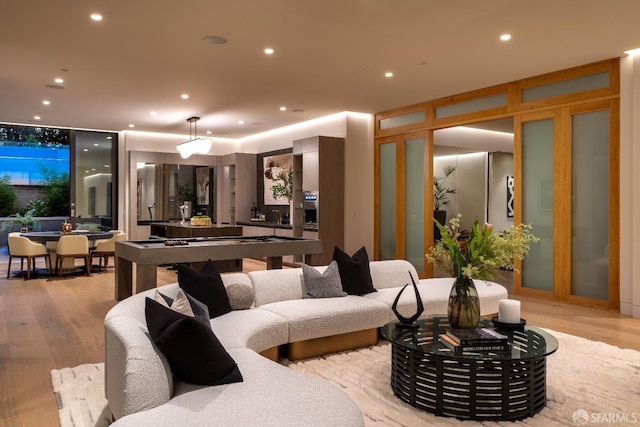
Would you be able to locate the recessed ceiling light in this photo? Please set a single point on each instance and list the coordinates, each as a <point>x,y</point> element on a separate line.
<point>505,37</point>
<point>45,102</point>
<point>208,132</point>
<point>388,74</point>
<point>269,51</point>
<point>184,96</point>
<point>59,80</point>
<point>215,40</point>
<point>240,122</point>
<point>283,108</point>
<point>106,166</point>
<point>36,117</point>
<point>86,149</point>
<point>154,113</point>
<point>131,125</point>
<point>96,17</point>
<point>96,145</point>
<point>93,169</point>
<point>109,137</point>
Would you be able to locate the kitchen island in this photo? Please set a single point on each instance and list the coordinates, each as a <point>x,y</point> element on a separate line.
<point>176,229</point>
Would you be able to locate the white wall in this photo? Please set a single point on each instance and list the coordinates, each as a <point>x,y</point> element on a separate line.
<point>470,182</point>
<point>629,185</point>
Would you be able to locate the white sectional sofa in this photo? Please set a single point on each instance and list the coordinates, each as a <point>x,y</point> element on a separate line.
<point>141,388</point>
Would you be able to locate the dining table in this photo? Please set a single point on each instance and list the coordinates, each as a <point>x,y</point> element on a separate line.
<point>50,239</point>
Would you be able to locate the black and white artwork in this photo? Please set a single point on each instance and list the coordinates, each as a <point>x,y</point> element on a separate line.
<point>510,195</point>
<point>202,180</point>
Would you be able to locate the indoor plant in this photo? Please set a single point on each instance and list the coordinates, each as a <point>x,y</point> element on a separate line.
<point>283,188</point>
<point>22,221</point>
<point>441,195</point>
<point>440,192</point>
<point>477,254</point>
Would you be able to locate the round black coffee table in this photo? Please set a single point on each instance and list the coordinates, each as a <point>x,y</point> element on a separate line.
<point>505,385</point>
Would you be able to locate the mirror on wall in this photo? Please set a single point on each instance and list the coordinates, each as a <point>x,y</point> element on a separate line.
<point>473,173</point>
<point>165,191</point>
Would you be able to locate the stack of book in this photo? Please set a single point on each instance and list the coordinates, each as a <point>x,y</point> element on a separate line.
<point>474,340</point>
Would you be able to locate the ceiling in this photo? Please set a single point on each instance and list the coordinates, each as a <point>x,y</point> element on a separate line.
<point>330,56</point>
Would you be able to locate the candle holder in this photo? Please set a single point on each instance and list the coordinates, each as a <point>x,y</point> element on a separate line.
<point>509,326</point>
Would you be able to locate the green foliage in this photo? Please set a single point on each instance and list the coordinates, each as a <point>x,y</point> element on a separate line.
<point>284,185</point>
<point>186,193</point>
<point>440,192</point>
<point>7,196</point>
<point>56,191</point>
<point>480,253</point>
<point>17,220</point>
<point>37,206</point>
<point>28,135</point>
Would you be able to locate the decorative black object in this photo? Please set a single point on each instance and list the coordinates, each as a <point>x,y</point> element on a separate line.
<point>509,326</point>
<point>175,242</point>
<point>408,322</point>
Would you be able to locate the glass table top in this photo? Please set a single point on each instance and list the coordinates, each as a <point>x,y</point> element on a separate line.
<point>531,342</point>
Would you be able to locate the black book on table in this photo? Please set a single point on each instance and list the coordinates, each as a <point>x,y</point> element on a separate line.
<point>476,336</point>
<point>459,349</point>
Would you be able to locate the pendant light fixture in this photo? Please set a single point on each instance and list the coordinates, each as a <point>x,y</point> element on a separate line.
<point>195,145</point>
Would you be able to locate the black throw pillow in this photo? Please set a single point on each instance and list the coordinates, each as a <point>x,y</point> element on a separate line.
<point>206,286</point>
<point>194,352</point>
<point>199,309</point>
<point>354,271</point>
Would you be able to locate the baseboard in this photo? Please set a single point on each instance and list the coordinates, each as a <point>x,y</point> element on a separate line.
<point>270,353</point>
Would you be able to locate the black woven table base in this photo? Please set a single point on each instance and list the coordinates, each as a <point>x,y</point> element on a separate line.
<point>469,388</point>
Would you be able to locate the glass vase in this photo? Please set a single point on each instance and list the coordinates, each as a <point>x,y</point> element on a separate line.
<point>463,309</point>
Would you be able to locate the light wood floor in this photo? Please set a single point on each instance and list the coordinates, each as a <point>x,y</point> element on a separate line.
<point>54,323</point>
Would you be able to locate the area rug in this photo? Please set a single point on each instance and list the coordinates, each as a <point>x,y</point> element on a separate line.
<point>588,383</point>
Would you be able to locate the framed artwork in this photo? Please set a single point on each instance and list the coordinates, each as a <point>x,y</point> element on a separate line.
<point>202,181</point>
<point>510,196</point>
<point>275,169</point>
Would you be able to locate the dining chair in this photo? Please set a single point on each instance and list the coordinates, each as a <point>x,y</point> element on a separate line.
<point>105,248</point>
<point>74,246</point>
<point>21,247</point>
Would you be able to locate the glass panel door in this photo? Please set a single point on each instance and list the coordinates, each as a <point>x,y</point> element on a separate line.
<point>537,202</point>
<point>414,203</point>
<point>93,205</point>
<point>590,204</point>
<point>387,197</point>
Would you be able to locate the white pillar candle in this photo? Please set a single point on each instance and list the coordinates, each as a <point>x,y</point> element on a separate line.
<point>509,311</point>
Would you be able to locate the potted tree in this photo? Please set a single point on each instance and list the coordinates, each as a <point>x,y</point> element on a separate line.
<point>441,195</point>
